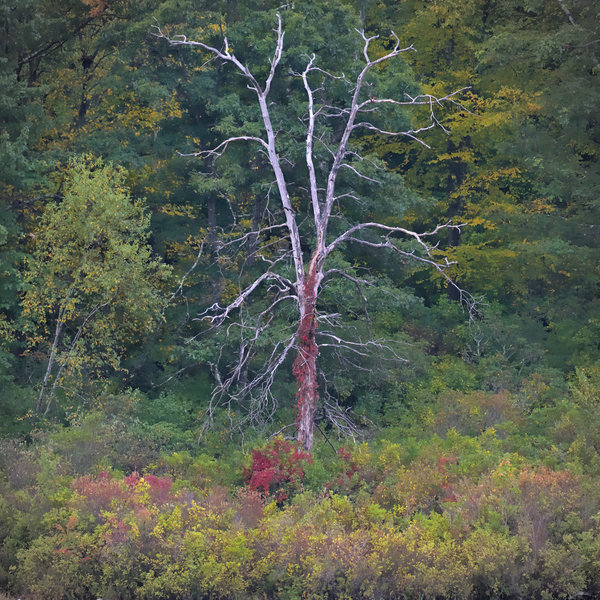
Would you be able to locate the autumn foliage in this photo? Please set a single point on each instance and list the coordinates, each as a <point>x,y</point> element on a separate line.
<point>277,469</point>
<point>457,454</point>
<point>466,524</point>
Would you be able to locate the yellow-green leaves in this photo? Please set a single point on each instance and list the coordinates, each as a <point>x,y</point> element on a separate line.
<point>92,284</point>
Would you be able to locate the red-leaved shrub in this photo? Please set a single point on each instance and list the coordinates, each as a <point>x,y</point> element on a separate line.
<point>277,469</point>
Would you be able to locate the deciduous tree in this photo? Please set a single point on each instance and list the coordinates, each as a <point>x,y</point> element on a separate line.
<point>92,284</point>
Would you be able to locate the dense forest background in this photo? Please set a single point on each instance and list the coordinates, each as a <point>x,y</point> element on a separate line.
<point>470,468</point>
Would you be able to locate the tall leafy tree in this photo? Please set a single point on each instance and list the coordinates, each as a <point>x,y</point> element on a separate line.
<point>522,174</point>
<point>92,284</point>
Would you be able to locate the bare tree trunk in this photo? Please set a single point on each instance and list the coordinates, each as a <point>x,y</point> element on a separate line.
<point>60,323</point>
<point>51,358</point>
<point>71,350</point>
<point>305,365</point>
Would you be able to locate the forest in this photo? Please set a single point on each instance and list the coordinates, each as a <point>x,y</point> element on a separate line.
<point>299,301</point>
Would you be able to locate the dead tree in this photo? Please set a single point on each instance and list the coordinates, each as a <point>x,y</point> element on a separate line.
<point>310,268</point>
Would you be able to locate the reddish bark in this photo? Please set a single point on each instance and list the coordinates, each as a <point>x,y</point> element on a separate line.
<point>305,365</point>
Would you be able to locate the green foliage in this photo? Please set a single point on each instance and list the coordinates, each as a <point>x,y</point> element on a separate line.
<point>92,284</point>
<point>136,538</point>
<point>440,516</point>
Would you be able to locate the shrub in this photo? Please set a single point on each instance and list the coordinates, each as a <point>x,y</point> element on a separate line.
<point>59,566</point>
<point>474,412</point>
<point>277,469</point>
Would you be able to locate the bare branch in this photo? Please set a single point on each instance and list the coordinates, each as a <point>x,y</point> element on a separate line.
<point>277,56</point>
<point>252,391</point>
<point>261,403</point>
<point>310,132</point>
<point>71,351</point>
<point>411,133</point>
<point>567,12</point>
<point>420,100</point>
<point>269,145</point>
<point>220,149</point>
<point>347,235</point>
<point>188,273</point>
<point>221,313</point>
<point>353,111</point>
<point>242,239</point>
<point>340,418</point>
<point>358,173</point>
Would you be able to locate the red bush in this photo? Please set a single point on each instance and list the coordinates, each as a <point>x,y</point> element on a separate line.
<point>159,488</point>
<point>448,494</point>
<point>98,492</point>
<point>277,469</point>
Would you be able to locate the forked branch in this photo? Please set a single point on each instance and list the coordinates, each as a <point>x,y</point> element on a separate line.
<point>310,252</point>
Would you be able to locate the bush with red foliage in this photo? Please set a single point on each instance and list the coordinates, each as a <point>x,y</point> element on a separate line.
<point>277,469</point>
<point>448,494</point>
<point>97,493</point>
<point>158,488</point>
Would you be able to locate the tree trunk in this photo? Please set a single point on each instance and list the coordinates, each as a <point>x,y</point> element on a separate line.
<point>305,365</point>
<point>50,365</point>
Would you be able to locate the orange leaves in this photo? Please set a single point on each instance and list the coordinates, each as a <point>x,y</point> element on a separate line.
<point>179,210</point>
<point>540,206</point>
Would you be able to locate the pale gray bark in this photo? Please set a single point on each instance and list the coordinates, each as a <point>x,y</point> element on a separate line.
<point>69,353</point>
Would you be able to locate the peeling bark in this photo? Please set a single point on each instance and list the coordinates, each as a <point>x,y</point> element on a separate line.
<point>305,365</point>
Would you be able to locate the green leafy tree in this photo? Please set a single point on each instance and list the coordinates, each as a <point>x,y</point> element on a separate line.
<point>523,175</point>
<point>92,284</point>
